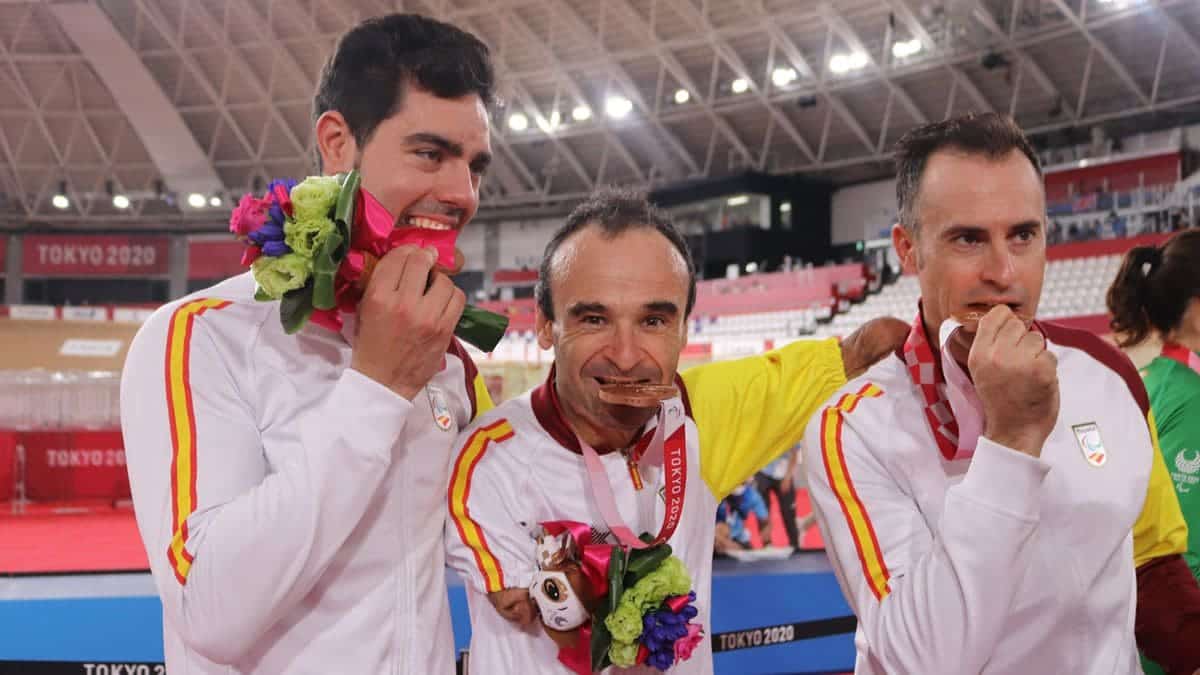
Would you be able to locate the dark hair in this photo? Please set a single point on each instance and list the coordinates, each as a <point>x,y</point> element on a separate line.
<point>372,65</point>
<point>1154,287</point>
<point>613,210</point>
<point>989,134</point>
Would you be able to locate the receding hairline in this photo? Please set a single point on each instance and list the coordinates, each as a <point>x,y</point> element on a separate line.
<point>958,151</point>
<point>569,243</point>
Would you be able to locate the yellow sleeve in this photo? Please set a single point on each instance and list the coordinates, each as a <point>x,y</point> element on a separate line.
<point>483,398</point>
<point>1160,529</point>
<point>751,410</point>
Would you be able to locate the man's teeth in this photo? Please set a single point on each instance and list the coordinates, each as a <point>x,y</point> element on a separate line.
<point>428,224</point>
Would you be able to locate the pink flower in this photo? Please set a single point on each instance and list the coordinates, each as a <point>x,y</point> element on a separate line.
<point>685,645</point>
<point>249,215</point>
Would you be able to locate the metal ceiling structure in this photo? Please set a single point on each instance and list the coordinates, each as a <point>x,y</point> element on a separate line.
<point>673,89</point>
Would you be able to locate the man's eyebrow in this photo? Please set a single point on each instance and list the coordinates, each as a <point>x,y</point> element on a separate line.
<point>452,148</point>
<point>662,307</point>
<point>581,308</point>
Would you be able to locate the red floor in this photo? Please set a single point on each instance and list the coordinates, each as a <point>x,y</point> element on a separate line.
<point>49,540</point>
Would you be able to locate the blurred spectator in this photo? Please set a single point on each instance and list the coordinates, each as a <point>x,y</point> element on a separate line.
<point>732,513</point>
<point>776,478</point>
<point>1055,235</point>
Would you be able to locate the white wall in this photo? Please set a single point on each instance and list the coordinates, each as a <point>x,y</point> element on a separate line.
<point>863,211</point>
<point>522,242</point>
<point>470,242</point>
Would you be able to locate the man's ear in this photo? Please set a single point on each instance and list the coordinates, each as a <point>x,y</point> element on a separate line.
<point>544,329</point>
<point>905,243</point>
<point>336,143</point>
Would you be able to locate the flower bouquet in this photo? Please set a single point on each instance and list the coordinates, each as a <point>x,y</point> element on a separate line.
<point>603,605</point>
<point>313,244</point>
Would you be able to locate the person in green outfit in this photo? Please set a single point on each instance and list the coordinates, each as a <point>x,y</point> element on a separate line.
<point>1157,294</point>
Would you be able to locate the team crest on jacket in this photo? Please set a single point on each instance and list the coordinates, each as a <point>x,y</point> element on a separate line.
<point>1090,443</point>
<point>441,409</point>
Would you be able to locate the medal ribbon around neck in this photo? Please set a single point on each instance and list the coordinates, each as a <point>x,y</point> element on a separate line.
<point>668,448</point>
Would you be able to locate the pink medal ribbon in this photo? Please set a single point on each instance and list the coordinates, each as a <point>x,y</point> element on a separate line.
<point>668,448</point>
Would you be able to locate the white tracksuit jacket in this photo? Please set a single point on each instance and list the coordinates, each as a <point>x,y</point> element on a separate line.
<point>998,563</point>
<point>290,506</point>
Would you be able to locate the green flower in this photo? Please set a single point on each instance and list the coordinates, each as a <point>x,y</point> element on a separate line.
<point>306,235</point>
<point>625,623</point>
<point>623,654</point>
<point>276,276</point>
<point>315,197</point>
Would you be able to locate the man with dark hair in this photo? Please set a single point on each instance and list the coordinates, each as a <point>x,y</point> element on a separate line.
<point>283,483</point>
<point>993,488</point>
<point>616,288</point>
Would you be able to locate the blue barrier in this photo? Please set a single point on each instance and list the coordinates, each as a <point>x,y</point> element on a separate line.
<point>763,614</point>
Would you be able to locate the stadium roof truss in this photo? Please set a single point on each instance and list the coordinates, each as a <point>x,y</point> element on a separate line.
<point>159,99</point>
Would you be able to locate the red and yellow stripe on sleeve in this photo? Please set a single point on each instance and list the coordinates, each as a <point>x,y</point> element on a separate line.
<point>869,554</point>
<point>460,491</point>
<point>183,429</point>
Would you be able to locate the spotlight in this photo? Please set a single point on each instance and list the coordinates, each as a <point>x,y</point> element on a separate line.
<point>120,201</point>
<point>581,113</point>
<point>60,199</point>
<point>906,48</point>
<point>844,63</point>
<point>782,77</point>
<point>214,201</point>
<point>196,200</point>
<point>518,122</point>
<point>740,85</point>
<point>738,200</point>
<point>682,96</point>
<point>618,107</point>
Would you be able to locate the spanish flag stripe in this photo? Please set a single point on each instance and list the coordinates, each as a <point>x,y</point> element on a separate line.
<point>182,419</point>
<point>460,489</point>
<point>862,532</point>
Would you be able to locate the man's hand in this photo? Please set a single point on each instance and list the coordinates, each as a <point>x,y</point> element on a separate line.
<point>1016,379</point>
<point>872,341</point>
<point>404,327</point>
<point>515,605</point>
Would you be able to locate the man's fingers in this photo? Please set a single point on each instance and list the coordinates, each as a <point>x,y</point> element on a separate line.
<point>990,326</point>
<point>390,268</point>
<point>416,273</point>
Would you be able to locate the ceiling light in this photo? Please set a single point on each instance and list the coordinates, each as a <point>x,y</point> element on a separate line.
<point>785,207</point>
<point>618,107</point>
<point>844,63</point>
<point>906,48</point>
<point>60,202</point>
<point>740,85</point>
<point>682,96</point>
<point>782,77</point>
<point>120,201</point>
<point>196,200</point>
<point>214,201</point>
<point>738,200</point>
<point>581,113</point>
<point>518,122</point>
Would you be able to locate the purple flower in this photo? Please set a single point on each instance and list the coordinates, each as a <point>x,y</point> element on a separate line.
<point>689,613</point>
<point>275,249</point>
<point>648,622</point>
<point>662,660</point>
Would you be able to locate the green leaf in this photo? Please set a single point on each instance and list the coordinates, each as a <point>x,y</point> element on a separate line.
<point>325,267</point>
<point>616,577</point>
<point>601,643</point>
<point>295,308</point>
<point>481,327</point>
<point>261,295</point>
<point>644,561</point>
<point>343,212</point>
